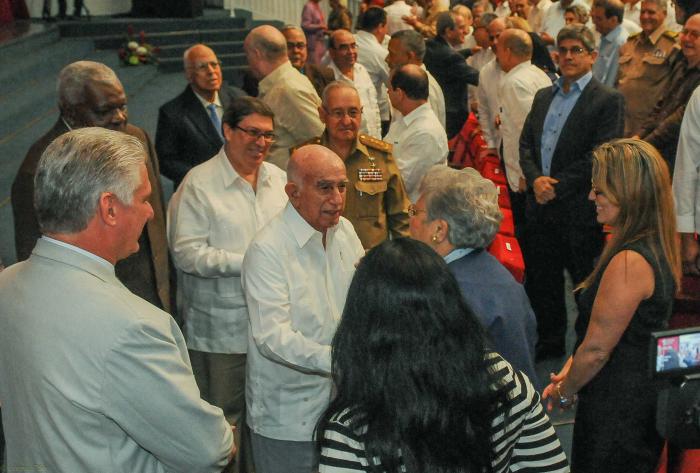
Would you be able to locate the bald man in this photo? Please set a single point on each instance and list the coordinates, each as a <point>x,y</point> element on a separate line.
<point>296,274</point>
<point>285,90</point>
<point>189,126</point>
<point>516,92</point>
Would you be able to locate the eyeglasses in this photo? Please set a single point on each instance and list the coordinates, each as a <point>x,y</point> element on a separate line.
<point>204,66</point>
<point>346,47</point>
<point>413,211</point>
<point>575,50</point>
<point>339,113</point>
<point>692,34</point>
<point>299,45</point>
<point>268,136</point>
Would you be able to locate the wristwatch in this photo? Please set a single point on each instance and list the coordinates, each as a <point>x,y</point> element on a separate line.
<point>565,402</point>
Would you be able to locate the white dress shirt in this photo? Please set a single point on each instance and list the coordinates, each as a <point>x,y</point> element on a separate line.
<point>419,142</point>
<point>686,175</point>
<point>517,91</point>
<point>213,216</point>
<point>536,16</point>
<point>296,292</point>
<point>372,55</point>
<point>394,14</point>
<point>436,99</point>
<point>217,103</point>
<point>371,120</point>
<point>490,78</point>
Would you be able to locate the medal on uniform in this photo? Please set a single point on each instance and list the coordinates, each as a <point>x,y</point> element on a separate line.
<point>370,174</point>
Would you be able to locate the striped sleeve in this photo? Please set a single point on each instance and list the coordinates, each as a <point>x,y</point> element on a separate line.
<point>523,438</point>
<point>342,450</point>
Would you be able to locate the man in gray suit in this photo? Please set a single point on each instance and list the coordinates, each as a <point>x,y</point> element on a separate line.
<point>94,378</point>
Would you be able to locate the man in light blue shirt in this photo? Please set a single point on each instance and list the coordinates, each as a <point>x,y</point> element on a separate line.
<point>566,122</point>
<point>607,17</point>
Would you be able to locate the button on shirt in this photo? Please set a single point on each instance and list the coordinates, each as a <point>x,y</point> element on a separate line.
<point>559,110</point>
<point>605,66</point>
<point>296,291</point>
<point>371,121</point>
<point>419,142</point>
<point>517,91</point>
<point>372,55</point>
<point>213,216</point>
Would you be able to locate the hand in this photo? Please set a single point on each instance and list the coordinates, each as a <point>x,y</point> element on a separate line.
<point>522,185</point>
<point>234,449</point>
<point>635,137</point>
<point>544,189</point>
<point>476,49</point>
<point>411,20</point>
<point>551,393</point>
<point>547,38</point>
<point>690,254</point>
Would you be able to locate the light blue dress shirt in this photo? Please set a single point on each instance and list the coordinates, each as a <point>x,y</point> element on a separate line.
<point>558,112</point>
<point>456,254</point>
<point>605,67</point>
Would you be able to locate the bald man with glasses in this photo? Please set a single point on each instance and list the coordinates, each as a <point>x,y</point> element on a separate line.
<point>189,126</point>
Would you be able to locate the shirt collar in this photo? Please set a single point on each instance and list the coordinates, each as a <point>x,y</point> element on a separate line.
<point>301,230</point>
<point>343,77</point>
<point>272,78</point>
<point>656,34</point>
<point>456,254</point>
<point>81,251</point>
<point>522,65</point>
<point>581,83</point>
<point>415,114</point>
<point>205,103</point>
<point>230,175</point>
<point>356,147</point>
<point>617,31</point>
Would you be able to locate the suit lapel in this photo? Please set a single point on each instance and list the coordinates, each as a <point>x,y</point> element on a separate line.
<point>199,118</point>
<point>576,117</point>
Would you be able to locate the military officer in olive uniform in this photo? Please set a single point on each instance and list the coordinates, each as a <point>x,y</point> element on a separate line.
<point>376,202</point>
<point>644,70</point>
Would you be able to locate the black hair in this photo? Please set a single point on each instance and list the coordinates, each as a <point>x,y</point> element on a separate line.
<point>241,107</point>
<point>408,360</point>
<point>412,80</point>
<point>372,18</point>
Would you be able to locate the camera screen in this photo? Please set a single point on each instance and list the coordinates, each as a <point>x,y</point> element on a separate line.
<point>676,352</point>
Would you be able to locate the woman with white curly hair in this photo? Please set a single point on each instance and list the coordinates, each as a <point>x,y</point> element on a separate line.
<point>457,215</point>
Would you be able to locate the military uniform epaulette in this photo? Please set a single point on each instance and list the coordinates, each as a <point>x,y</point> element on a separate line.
<point>634,35</point>
<point>670,34</point>
<point>375,143</point>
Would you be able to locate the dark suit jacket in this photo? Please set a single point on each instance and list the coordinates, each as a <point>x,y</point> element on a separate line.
<point>185,135</point>
<point>453,74</point>
<point>146,273</point>
<point>597,117</point>
<point>502,307</point>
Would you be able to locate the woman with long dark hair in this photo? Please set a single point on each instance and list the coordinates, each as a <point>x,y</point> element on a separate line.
<point>417,389</point>
<point>628,295</point>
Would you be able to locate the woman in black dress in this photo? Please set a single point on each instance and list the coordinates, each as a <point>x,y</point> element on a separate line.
<point>628,295</point>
